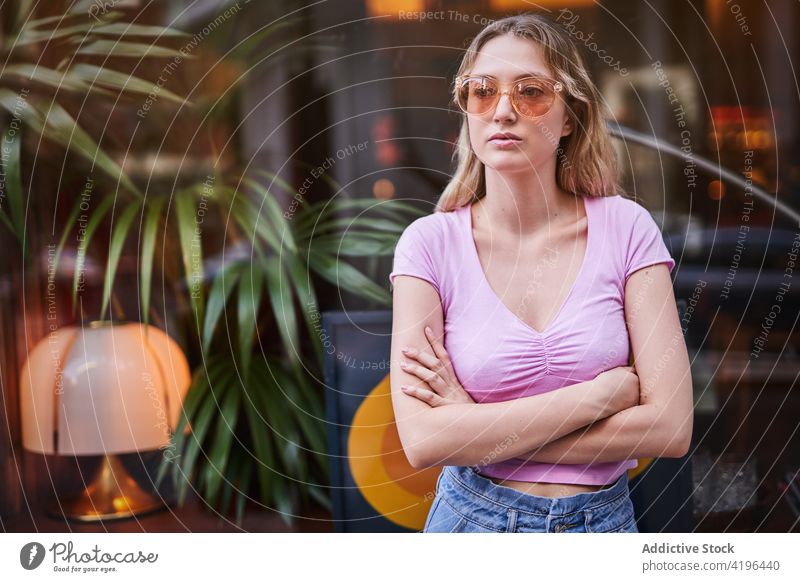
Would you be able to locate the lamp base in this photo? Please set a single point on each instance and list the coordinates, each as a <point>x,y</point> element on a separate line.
<point>112,494</point>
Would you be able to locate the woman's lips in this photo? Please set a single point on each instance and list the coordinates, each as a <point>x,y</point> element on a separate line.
<point>504,142</point>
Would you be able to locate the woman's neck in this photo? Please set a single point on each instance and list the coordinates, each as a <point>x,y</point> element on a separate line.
<point>523,204</point>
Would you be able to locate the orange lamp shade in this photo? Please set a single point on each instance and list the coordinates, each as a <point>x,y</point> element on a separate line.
<point>104,388</point>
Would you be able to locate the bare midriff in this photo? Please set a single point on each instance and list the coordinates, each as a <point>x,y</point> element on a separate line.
<point>548,489</point>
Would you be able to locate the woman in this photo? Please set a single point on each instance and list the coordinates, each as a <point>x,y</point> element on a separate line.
<point>541,279</point>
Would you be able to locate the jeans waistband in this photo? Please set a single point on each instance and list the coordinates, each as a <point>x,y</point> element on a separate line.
<point>469,488</point>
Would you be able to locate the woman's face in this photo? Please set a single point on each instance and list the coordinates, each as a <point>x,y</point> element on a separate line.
<point>507,58</point>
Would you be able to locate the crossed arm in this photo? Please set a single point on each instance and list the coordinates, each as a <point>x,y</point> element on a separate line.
<point>576,424</point>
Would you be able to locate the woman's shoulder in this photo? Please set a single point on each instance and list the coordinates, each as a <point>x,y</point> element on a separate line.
<point>615,201</point>
<point>439,224</point>
<point>621,203</point>
<point>425,248</point>
<point>620,210</point>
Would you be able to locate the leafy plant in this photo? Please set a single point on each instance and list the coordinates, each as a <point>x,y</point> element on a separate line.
<point>256,419</point>
<point>43,69</point>
<point>273,395</point>
<point>270,395</point>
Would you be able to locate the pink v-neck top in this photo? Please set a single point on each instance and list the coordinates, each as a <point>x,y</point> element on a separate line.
<point>497,356</point>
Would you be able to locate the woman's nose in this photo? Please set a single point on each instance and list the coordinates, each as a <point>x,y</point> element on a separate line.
<point>504,110</point>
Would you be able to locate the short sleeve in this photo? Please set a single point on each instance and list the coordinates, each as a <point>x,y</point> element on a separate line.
<point>646,245</point>
<point>413,256</point>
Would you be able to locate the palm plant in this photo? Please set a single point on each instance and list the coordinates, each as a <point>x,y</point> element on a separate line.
<point>257,419</point>
<point>43,69</point>
<point>272,394</point>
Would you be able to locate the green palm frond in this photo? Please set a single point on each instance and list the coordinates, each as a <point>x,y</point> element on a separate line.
<point>32,92</point>
<point>274,445</point>
<point>282,410</point>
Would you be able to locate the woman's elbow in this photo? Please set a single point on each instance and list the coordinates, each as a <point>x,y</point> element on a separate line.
<point>673,421</point>
<point>679,448</point>
<point>413,443</point>
<point>417,455</point>
<point>429,453</point>
<point>679,438</point>
<point>417,459</point>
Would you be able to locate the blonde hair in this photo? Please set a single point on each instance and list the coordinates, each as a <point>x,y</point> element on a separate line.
<point>586,162</point>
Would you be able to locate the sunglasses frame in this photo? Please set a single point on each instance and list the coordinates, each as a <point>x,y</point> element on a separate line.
<point>555,86</point>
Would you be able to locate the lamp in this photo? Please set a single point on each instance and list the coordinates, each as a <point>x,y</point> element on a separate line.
<point>105,388</point>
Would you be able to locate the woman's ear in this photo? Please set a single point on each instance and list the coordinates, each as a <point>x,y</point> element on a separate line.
<point>568,125</point>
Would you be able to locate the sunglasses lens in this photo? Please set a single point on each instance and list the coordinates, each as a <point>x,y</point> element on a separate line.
<point>477,95</point>
<point>533,97</point>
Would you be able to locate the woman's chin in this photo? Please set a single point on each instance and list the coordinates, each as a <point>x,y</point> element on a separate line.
<point>509,164</point>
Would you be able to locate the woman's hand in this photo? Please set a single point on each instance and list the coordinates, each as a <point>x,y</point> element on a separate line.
<point>622,386</point>
<point>437,372</point>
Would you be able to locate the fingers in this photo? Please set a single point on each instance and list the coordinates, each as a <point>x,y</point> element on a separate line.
<point>437,362</point>
<point>438,347</point>
<point>421,373</point>
<point>433,369</point>
<point>427,360</point>
<point>427,396</point>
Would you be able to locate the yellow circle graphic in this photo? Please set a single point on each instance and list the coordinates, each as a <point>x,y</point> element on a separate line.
<point>395,489</point>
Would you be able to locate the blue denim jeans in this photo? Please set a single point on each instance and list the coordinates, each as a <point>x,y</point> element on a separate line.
<point>466,502</point>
